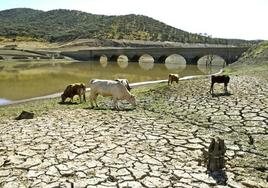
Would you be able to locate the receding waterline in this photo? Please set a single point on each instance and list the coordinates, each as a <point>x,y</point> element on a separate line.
<point>27,81</point>
<point>133,85</point>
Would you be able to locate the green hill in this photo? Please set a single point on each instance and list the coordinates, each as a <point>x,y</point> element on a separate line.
<point>258,53</point>
<point>67,25</point>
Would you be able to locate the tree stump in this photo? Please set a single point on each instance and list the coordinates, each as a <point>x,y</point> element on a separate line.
<point>216,152</point>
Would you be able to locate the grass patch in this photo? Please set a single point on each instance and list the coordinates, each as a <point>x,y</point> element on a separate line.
<point>40,107</point>
<point>45,106</point>
<point>257,50</point>
<point>259,70</point>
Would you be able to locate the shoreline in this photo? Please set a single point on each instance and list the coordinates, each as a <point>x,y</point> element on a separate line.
<point>133,85</point>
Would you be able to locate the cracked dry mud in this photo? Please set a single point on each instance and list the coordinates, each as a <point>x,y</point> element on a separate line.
<point>158,144</point>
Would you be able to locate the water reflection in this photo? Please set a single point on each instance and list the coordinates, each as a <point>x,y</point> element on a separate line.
<point>122,61</point>
<point>103,61</point>
<point>31,81</point>
<point>208,64</point>
<point>175,61</point>
<point>146,62</point>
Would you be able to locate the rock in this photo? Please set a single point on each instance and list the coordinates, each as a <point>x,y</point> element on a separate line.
<point>251,184</point>
<point>251,140</point>
<point>112,178</point>
<point>25,115</point>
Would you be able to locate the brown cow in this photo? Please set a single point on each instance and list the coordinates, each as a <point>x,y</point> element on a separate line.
<point>173,78</point>
<point>74,89</point>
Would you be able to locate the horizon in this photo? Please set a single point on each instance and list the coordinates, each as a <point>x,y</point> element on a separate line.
<point>244,19</point>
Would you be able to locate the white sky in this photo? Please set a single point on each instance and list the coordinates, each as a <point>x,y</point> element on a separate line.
<point>243,19</point>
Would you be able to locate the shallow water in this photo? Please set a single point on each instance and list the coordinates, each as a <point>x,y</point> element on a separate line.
<point>26,81</point>
<point>4,101</point>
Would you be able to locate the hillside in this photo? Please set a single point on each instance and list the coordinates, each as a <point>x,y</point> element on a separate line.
<point>67,25</point>
<point>258,53</point>
<point>252,63</point>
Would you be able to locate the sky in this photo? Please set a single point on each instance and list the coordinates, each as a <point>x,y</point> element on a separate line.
<point>241,19</point>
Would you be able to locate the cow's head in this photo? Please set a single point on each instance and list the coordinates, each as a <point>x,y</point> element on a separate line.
<point>132,100</point>
<point>63,98</point>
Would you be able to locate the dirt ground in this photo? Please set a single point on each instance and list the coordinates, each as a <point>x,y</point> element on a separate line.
<point>160,143</point>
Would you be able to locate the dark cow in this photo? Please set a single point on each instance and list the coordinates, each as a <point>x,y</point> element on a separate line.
<point>74,89</point>
<point>219,79</point>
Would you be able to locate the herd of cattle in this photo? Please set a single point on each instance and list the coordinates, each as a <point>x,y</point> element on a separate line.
<point>119,89</point>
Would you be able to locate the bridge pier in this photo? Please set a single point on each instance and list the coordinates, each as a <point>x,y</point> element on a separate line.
<point>113,58</point>
<point>160,59</point>
<point>192,60</point>
<point>134,58</point>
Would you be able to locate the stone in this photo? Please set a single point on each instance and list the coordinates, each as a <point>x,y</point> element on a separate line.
<point>25,115</point>
<point>252,184</point>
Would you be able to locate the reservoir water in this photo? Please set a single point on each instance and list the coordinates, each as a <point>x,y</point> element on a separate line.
<point>22,80</point>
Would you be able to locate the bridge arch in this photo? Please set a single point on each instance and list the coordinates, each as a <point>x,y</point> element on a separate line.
<point>146,62</point>
<point>175,61</point>
<point>211,59</point>
<point>209,64</point>
<point>146,58</point>
<point>103,60</point>
<point>122,61</point>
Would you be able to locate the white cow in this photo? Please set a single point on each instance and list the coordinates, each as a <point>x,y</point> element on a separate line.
<point>125,83</point>
<point>110,88</point>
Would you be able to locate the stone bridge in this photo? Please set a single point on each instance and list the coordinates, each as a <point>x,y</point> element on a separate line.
<point>191,54</point>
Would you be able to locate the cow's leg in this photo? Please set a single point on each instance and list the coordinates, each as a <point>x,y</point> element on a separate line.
<point>91,103</point>
<point>170,79</point>
<point>115,104</point>
<point>80,98</point>
<point>225,87</point>
<point>91,99</point>
<point>95,99</point>
<point>84,96</point>
<point>211,88</point>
